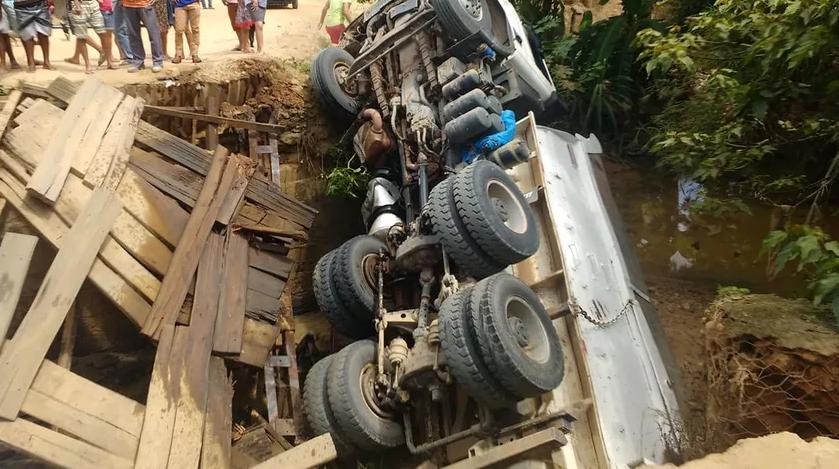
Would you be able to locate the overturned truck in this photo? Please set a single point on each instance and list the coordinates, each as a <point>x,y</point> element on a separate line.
<point>458,295</point>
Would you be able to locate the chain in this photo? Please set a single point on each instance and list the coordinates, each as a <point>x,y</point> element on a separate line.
<point>600,322</point>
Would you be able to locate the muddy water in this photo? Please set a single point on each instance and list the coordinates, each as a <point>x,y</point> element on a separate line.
<point>672,242</point>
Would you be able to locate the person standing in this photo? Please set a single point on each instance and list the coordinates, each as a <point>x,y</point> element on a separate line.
<point>86,15</point>
<point>250,13</point>
<point>121,33</point>
<point>335,15</point>
<point>136,12</point>
<point>161,10</point>
<point>5,41</point>
<point>187,18</point>
<point>34,21</point>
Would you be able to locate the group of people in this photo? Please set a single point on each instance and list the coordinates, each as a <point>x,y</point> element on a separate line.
<point>121,19</point>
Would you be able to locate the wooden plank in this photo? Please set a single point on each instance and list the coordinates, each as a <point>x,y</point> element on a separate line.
<point>182,268</point>
<point>226,121</point>
<point>85,409</point>
<point>270,262</point>
<point>49,176</point>
<point>193,383</point>
<point>37,112</point>
<point>9,108</point>
<point>231,312</point>
<point>198,160</point>
<point>265,283</point>
<point>57,448</point>
<point>313,453</point>
<point>215,450</point>
<point>15,166</point>
<point>68,338</point>
<point>159,418</point>
<point>107,103</point>
<point>258,303</point>
<point>213,110</point>
<point>54,230</point>
<point>160,214</point>
<point>271,391</point>
<point>257,340</point>
<point>234,199</point>
<point>115,254</point>
<point>15,254</point>
<point>111,159</point>
<point>19,361</point>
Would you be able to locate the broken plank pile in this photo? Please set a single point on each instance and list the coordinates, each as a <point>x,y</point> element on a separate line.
<point>189,245</point>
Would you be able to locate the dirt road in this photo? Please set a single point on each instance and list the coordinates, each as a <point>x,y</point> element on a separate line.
<point>288,34</point>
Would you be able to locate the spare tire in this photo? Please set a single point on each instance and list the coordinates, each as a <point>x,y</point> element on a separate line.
<point>516,336</point>
<point>463,18</point>
<point>326,75</point>
<point>495,213</point>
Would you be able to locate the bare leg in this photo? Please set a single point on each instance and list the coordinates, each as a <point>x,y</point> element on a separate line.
<point>3,67</point>
<point>164,34</point>
<point>243,41</point>
<point>77,52</point>
<point>44,42</point>
<point>106,48</point>
<point>83,49</point>
<point>8,43</point>
<point>259,36</point>
<point>29,48</point>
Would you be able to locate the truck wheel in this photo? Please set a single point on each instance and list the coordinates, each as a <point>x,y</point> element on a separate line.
<point>329,69</point>
<point>318,414</point>
<point>357,280</point>
<point>463,18</point>
<point>495,212</point>
<point>446,224</point>
<point>326,294</point>
<point>354,403</point>
<point>516,336</point>
<point>463,355</point>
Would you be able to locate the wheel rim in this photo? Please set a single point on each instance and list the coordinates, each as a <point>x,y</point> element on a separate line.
<point>368,269</point>
<point>474,8</point>
<point>340,71</point>
<point>527,329</point>
<point>367,382</point>
<point>507,206</point>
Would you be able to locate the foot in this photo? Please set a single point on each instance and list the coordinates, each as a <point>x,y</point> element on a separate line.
<point>156,68</point>
<point>101,59</point>
<point>237,48</point>
<point>112,66</point>
<point>196,59</point>
<point>177,59</point>
<point>30,69</point>
<point>88,71</point>
<point>167,57</point>
<point>15,66</point>
<point>73,61</point>
<point>136,68</point>
<point>48,66</point>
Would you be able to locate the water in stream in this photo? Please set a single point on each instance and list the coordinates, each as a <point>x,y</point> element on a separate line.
<point>671,242</point>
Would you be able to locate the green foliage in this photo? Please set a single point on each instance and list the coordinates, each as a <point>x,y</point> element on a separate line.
<point>748,93</point>
<point>346,180</point>
<point>595,71</point>
<point>725,290</point>
<point>815,253</point>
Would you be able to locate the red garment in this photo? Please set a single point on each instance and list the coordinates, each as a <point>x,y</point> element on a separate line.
<point>106,6</point>
<point>335,32</point>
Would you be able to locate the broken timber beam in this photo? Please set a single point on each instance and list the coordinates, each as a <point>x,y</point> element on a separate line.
<point>230,122</point>
<point>20,360</point>
<point>313,453</point>
<point>15,255</point>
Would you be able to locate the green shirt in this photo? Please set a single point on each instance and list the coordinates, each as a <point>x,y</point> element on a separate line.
<point>335,14</point>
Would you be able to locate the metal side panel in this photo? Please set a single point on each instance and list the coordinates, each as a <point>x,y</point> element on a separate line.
<point>634,404</point>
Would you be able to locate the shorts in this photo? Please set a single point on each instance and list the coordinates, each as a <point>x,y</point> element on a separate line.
<point>246,17</point>
<point>108,17</point>
<point>89,17</point>
<point>335,32</point>
<point>33,19</point>
<point>5,28</point>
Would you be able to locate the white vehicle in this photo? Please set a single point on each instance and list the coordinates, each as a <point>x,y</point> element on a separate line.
<point>459,294</point>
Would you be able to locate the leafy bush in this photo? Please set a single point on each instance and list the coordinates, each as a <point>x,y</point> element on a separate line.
<point>749,95</point>
<point>816,255</point>
<point>596,71</point>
